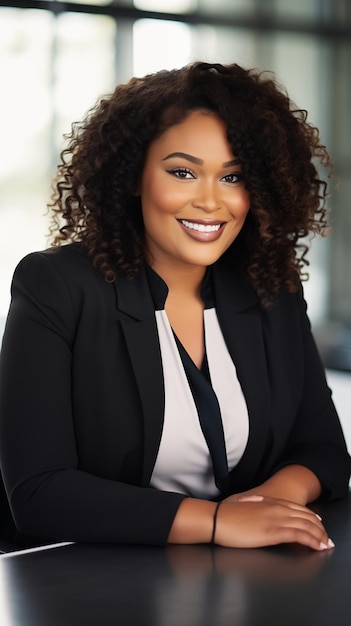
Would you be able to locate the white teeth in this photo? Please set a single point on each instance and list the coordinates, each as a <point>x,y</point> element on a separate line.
<point>210,228</point>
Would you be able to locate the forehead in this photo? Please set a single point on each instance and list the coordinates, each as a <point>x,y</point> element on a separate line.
<point>199,132</point>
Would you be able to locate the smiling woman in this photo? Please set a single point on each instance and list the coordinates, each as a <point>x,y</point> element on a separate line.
<point>171,389</point>
<point>191,197</point>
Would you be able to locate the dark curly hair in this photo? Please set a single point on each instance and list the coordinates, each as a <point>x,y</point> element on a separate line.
<point>94,199</point>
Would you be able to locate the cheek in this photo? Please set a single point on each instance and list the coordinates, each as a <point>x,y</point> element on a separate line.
<point>161,198</point>
<point>241,205</point>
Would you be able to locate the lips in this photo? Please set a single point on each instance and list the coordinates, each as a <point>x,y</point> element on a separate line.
<point>206,231</point>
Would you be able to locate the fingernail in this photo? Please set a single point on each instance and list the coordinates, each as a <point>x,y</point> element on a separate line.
<point>323,546</point>
<point>319,517</point>
<point>331,544</point>
<point>251,498</point>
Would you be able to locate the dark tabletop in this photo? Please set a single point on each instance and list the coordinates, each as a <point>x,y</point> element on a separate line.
<point>99,585</point>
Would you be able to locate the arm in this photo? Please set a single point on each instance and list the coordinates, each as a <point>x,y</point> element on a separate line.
<point>50,494</point>
<point>315,449</point>
<point>314,462</point>
<point>274,511</point>
<point>293,482</point>
<point>254,522</point>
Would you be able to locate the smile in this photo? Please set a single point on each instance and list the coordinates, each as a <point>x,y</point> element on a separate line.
<point>202,231</point>
<point>202,228</point>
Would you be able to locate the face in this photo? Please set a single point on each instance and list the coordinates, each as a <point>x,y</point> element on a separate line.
<point>193,196</point>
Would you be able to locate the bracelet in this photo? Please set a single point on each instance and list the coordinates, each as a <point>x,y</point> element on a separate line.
<point>215,522</point>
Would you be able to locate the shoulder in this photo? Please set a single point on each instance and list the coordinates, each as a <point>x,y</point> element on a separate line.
<point>66,260</point>
<point>234,290</point>
<point>231,278</point>
<point>287,305</point>
<point>68,265</point>
<point>58,277</point>
<point>60,289</point>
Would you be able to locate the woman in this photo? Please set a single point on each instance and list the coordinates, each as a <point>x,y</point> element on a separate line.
<point>159,381</point>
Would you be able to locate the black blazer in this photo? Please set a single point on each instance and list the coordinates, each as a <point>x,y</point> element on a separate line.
<point>82,399</point>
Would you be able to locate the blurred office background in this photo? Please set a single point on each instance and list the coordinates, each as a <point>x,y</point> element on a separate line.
<point>57,58</point>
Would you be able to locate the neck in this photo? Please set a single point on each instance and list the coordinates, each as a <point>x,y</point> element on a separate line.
<point>181,280</point>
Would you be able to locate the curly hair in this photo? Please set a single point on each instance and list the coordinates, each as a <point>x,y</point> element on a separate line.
<point>94,200</point>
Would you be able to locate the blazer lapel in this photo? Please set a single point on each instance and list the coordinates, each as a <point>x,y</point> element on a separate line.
<point>140,331</point>
<point>240,317</point>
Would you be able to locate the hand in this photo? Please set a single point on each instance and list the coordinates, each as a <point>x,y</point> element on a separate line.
<point>252,521</point>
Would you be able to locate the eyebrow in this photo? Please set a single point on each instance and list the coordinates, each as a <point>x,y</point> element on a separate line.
<point>196,160</point>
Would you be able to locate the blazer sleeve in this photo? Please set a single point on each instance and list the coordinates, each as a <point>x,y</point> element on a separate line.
<point>316,439</point>
<point>49,496</point>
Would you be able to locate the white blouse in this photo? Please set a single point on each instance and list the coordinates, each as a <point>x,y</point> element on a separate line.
<point>184,463</point>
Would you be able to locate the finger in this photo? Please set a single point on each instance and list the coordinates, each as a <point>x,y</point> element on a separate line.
<point>296,507</point>
<point>308,515</point>
<point>295,515</point>
<point>312,526</point>
<point>305,538</point>
<point>286,507</point>
<point>287,503</point>
<point>305,518</point>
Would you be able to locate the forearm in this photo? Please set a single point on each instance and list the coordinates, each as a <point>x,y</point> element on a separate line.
<point>72,505</point>
<point>293,482</point>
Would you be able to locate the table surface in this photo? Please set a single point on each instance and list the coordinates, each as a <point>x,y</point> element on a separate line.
<point>100,585</point>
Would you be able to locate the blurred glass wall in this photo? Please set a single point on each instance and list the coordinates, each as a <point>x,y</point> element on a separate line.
<point>54,64</point>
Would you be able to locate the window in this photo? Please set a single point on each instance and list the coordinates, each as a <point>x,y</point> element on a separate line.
<point>54,66</point>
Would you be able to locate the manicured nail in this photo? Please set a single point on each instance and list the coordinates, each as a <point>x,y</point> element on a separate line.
<point>251,498</point>
<point>319,517</point>
<point>323,546</point>
<point>331,544</point>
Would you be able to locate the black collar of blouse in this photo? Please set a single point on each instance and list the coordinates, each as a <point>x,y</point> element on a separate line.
<point>159,289</point>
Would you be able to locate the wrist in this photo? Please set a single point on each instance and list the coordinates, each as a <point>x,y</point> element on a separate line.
<point>193,522</point>
<point>214,523</point>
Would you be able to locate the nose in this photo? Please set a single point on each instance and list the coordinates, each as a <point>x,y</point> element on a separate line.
<point>207,197</point>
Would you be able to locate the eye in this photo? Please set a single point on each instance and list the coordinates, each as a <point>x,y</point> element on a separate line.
<point>181,172</point>
<point>234,177</point>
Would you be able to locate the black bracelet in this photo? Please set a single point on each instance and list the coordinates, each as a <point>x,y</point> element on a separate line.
<point>215,522</point>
